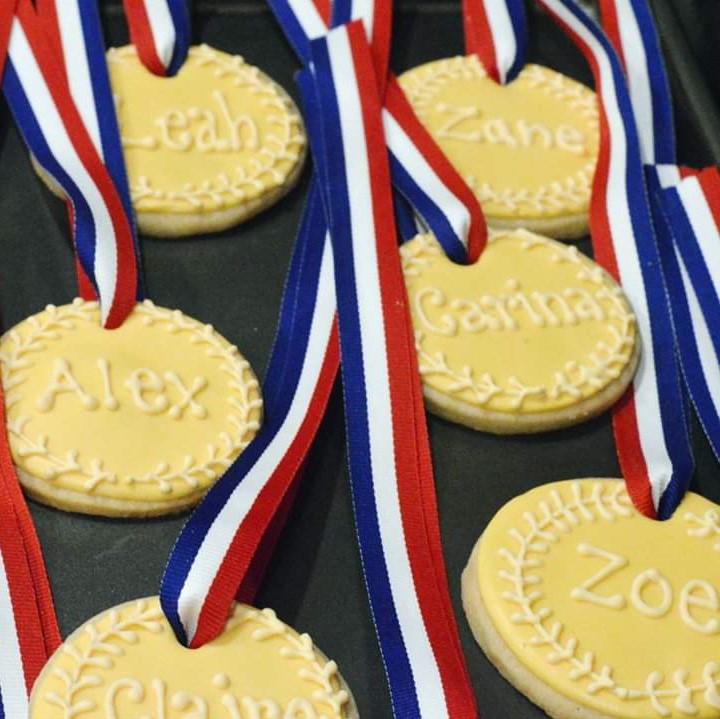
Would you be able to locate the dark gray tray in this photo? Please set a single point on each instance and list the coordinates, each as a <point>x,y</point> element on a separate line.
<point>234,281</point>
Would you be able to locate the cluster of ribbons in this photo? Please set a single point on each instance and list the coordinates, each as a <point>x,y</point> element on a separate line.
<point>349,225</point>
<point>346,258</point>
<point>345,302</point>
<point>654,228</point>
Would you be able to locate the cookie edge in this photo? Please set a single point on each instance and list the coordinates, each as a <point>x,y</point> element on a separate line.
<point>508,423</point>
<point>351,711</point>
<point>505,661</point>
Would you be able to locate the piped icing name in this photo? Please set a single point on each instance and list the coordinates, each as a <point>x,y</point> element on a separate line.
<point>570,306</point>
<point>219,134</point>
<point>128,691</point>
<point>532,150</point>
<point>258,669</point>
<point>470,123</point>
<point>671,609</point>
<point>149,391</point>
<point>206,129</point>
<point>649,592</point>
<point>168,372</point>
<point>533,287</point>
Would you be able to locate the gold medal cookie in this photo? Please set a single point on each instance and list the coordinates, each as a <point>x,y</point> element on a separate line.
<point>597,612</point>
<point>207,148</point>
<point>532,337</point>
<point>527,149</point>
<point>136,421</point>
<point>127,663</point>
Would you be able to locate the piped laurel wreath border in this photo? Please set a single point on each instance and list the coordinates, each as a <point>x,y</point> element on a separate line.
<point>104,645</point>
<point>243,417</point>
<point>262,174</point>
<point>568,194</point>
<point>557,516</point>
<point>603,365</point>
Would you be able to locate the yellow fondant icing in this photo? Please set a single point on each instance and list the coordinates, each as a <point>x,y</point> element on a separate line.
<point>528,149</point>
<point>534,326</point>
<point>615,611</point>
<point>154,410</point>
<point>127,664</point>
<point>218,134</point>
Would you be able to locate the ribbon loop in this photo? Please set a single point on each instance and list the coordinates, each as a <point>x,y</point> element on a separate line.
<point>651,431</point>
<point>420,171</point>
<point>388,445</point>
<point>160,31</point>
<point>496,31</point>
<point>58,137</point>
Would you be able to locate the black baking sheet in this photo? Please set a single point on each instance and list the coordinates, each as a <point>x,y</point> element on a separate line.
<point>234,281</point>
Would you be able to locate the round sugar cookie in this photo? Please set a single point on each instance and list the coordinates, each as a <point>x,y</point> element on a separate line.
<point>532,337</point>
<point>527,149</point>
<point>126,663</point>
<point>597,612</point>
<point>205,149</point>
<point>136,421</point>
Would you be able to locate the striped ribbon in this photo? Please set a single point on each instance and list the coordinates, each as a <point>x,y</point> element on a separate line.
<point>388,447</point>
<point>222,549</point>
<point>629,25</point>
<point>160,31</point>
<point>56,133</point>
<point>28,624</point>
<point>30,633</point>
<point>687,208</point>
<point>82,54</point>
<point>691,261</point>
<point>420,171</point>
<point>217,554</point>
<point>650,424</point>
<point>496,31</point>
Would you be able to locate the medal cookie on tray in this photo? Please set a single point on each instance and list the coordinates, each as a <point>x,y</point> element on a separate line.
<point>127,662</point>
<point>534,336</point>
<point>205,149</point>
<point>136,421</point>
<point>597,612</point>
<point>528,149</point>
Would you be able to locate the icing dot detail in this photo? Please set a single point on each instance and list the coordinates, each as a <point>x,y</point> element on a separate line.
<point>221,681</point>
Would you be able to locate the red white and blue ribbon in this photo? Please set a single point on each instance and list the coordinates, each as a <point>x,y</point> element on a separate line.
<point>420,171</point>
<point>496,31</point>
<point>630,27</point>
<point>387,436</point>
<point>222,550</point>
<point>160,31</point>
<point>30,634</point>
<point>28,625</point>
<point>56,133</point>
<point>216,554</point>
<point>82,51</point>
<point>687,206</point>
<point>650,423</point>
<point>688,225</point>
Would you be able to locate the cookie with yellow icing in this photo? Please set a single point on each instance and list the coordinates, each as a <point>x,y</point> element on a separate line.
<point>136,421</point>
<point>532,337</point>
<point>597,612</point>
<point>127,663</point>
<point>527,149</point>
<point>207,148</point>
